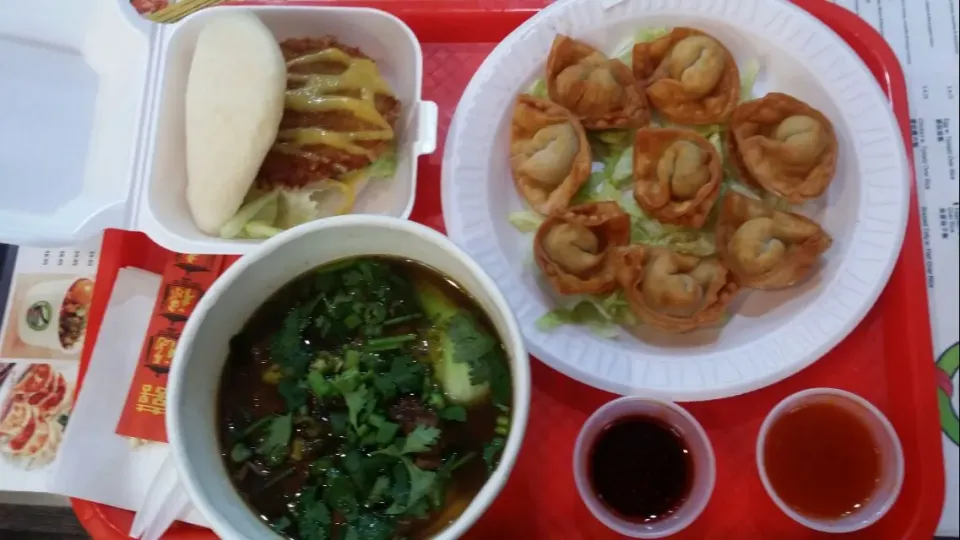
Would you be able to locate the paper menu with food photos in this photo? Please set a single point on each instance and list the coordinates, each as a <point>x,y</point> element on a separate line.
<point>925,38</point>
<point>44,325</point>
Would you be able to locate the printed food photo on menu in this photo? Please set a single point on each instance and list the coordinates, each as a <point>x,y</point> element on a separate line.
<point>35,400</point>
<point>47,317</point>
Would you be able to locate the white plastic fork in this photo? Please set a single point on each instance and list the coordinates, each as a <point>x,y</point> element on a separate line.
<point>167,500</point>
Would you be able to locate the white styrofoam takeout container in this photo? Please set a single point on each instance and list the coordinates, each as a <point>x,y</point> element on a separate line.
<point>93,106</point>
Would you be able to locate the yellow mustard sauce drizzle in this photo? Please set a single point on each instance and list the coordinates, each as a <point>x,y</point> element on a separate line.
<point>318,93</point>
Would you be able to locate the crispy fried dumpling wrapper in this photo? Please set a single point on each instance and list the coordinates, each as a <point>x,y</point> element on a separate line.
<point>784,146</point>
<point>676,175</point>
<point>574,249</point>
<point>549,154</point>
<point>690,77</point>
<point>601,91</point>
<point>672,291</point>
<point>766,248</point>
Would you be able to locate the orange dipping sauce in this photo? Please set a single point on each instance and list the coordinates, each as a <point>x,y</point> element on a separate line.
<point>822,460</point>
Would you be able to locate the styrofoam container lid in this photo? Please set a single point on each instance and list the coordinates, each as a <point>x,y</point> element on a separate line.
<point>97,133</point>
<point>70,98</point>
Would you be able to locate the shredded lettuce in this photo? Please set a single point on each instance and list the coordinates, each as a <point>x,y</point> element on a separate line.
<point>777,203</point>
<point>526,221</point>
<point>615,138</point>
<point>260,229</point>
<point>646,230</point>
<point>607,145</point>
<point>602,315</point>
<point>538,89</point>
<point>320,199</point>
<point>261,208</point>
<point>649,34</point>
<point>717,141</point>
<point>385,167</point>
<point>265,214</point>
<point>596,189</point>
<point>706,131</point>
<point>767,198</point>
<point>750,71</point>
<point>620,171</point>
<point>624,52</point>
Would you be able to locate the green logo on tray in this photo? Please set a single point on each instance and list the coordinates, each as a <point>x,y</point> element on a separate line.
<point>949,365</point>
<point>39,315</point>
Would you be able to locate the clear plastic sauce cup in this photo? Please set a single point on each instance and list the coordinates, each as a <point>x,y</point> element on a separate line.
<point>885,438</point>
<point>695,439</point>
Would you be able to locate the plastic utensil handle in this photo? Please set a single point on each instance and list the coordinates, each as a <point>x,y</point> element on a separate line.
<point>175,502</point>
<point>427,119</point>
<point>150,507</point>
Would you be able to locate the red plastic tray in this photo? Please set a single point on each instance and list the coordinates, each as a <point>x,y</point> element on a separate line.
<point>887,359</point>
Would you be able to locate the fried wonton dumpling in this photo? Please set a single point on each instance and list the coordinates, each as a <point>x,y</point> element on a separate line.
<point>574,249</point>
<point>601,91</point>
<point>549,154</point>
<point>676,175</point>
<point>672,291</point>
<point>766,248</point>
<point>783,145</point>
<point>690,77</point>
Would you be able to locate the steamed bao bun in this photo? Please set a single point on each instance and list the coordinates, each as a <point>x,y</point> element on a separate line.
<point>234,103</point>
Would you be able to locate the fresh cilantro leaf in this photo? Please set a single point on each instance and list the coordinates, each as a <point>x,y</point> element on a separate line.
<point>399,490</point>
<point>351,359</point>
<point>240,453</point>
<point>471,344</point>
<point>420,482</point>
<point>406,372</point>
<point>500,386</point>
<point>380,486</point>
<point>419,509</point>
<point>274,445</point>
<point>453,463</point>
<point>420,439</point>
<point>313,517</point>
<point>339,494</point>
<point>338,422</point>
<point>454,412</point>
<point>386,432</point>
<point>492,451</point>
<point>292,392</point>
<point>287,348</point>
<point>356,403</point>
<point>351,461</point>
<point>319,385</point>
<point>347,381</point>
<point>409,488</point>
<point>474,346</point>
<point>439,492</point>
<point>309,532</point>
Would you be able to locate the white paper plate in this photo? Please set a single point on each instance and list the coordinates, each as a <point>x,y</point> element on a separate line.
<point>771,334</point>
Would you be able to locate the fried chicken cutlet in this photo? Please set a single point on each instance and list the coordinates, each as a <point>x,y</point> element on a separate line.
<point>339,114</point>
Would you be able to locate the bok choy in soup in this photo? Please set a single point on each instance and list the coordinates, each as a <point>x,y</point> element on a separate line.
<point>368,399</point>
